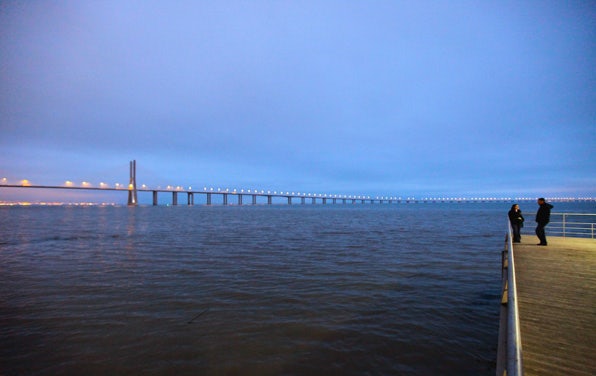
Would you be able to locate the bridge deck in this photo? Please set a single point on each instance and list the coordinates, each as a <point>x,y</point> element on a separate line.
<point>556,288</point>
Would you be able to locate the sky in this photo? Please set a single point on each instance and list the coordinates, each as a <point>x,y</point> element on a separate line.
<point>397,98</point>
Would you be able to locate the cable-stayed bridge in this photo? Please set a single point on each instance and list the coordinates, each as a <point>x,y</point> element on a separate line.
<point>253,196</point>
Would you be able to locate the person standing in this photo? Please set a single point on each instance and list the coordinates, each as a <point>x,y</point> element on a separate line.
<point>517,222</point>
<point>542,218</point>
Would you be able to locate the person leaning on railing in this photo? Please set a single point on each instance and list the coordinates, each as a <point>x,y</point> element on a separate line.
<point>517,222</point>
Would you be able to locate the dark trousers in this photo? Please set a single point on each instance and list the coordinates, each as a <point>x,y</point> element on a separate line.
<point>516,232</point>
<point>540,233</point>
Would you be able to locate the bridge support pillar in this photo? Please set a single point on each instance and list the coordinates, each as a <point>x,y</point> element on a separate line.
<point>289,200</point>
<point>324,201</point>
<point>335,201</point>
<point>303,200</point>
<point>174,198</point>
<point>154,198</point>
<point>239,199</point>
<point>269,200</point>
<point>225,198</point>
<point>132,185</point>
<point>191,198</point>
<point>254,199</point>
<point>208,198</point>
<point>314,200</point>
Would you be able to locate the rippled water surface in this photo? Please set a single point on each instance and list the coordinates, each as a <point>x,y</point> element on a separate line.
<point>296,290</point>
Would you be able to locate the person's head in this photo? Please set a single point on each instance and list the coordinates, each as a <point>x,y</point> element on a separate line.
<point>541,201</point>
<point>515,207</point>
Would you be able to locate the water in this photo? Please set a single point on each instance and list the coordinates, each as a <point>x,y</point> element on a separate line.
<point>301,290</point>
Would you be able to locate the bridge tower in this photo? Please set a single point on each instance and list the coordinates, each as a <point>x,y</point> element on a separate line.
<point>132,186</point>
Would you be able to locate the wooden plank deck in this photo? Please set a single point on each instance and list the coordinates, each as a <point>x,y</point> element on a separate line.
<point>556,288</point>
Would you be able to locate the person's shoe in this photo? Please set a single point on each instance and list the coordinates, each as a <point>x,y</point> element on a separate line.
<point>541,244</point>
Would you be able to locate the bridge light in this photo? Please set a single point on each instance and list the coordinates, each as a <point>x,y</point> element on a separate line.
<point>68,183</point>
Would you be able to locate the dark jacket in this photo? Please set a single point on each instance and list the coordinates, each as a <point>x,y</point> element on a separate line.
<point>543,213</point>
<point>516,217</point>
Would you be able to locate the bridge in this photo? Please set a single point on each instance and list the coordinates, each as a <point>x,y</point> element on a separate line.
<point>229,195</point>
<point>225,194</point>
<point>240,195</point>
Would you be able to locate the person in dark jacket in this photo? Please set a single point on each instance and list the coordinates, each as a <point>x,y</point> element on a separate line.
<point>542,218</point>
<point>517,222</point>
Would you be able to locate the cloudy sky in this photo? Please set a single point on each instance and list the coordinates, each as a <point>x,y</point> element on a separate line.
<point>421,98</point>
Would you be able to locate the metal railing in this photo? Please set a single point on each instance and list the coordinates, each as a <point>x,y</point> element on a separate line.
<point>509,355</point>
<point>574,225</point>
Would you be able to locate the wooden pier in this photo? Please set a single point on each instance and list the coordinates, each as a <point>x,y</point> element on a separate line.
<point>556,289</point>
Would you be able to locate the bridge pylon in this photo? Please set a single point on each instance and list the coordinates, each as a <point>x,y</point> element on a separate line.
<point>132,186</point>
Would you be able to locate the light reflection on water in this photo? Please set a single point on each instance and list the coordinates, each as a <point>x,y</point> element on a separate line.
<point>402,289</point>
